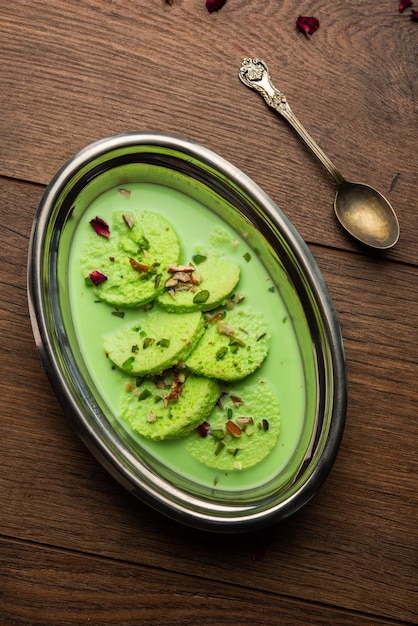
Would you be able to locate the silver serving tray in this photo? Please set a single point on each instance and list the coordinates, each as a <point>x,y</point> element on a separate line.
<point>233,197</point>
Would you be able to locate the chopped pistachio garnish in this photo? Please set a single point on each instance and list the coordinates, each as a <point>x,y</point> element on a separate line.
<point>224,328</point>
<point>237,401</point>
<point>128,219</point>
<point>218,433</point>
<point>138,266</point>
<point>220,446</point>
<point>201,296</point>
<point>127,365</point>
<point>263,424</point>
<point>124,192</point>
<point>221,353</point>
<point>236,341</point>
<point>198,258</point>
<point>145,393</point>
<point>233,429</point>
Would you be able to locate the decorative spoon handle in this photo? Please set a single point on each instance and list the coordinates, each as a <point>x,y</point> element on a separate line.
<point>255,74</point>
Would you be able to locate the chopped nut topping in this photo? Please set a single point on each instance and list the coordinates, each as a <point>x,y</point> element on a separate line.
<point>195,279</point>
<point>214,317</point>
<point>172,282</point>
<point>151,417</point>
<point>124,192</point>
<point>183,277</point>
<point>128,219</point>
<point>233,429</point>
<point>172,269</point>
<point>201,296</point>
<point>225,329</point>
<point>137,266</point>
<point>237,401</point>
<point>244,420</point>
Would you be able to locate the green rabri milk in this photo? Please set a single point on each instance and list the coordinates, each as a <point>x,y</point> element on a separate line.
<point>199,231</point>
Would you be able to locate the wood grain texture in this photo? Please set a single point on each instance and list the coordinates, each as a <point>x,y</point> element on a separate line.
<point>103,591</point>
<point>75,75</point>
<point>76,548</point>
<point>353,546</point>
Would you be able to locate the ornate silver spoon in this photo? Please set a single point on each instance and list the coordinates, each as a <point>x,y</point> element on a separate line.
<point>361,210</point>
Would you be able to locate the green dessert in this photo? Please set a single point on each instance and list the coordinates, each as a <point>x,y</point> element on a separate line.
<point>155,342</point>
<point>241,430</point>
<point>168,406</point>
<point>207,234</point>
<point>205,287</point>
<point>232,347</point>
<point>127,262</point>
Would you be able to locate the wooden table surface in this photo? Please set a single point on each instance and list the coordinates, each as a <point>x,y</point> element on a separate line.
<point>75,548</point>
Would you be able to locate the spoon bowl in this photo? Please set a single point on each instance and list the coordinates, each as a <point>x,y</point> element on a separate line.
<point>364,213</point>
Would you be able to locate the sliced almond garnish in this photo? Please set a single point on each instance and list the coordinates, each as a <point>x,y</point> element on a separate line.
<point>233,429</point>
<point>138,266</point>
<point>171,282</point>
<point>172,269</point>
<point>128,219</point>
<point>225,329</point>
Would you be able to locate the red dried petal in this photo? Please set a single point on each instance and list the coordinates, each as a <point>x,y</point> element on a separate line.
<point>306,24</point>
<point>404,4</point>
<point>97,277</point>
<point>414,16</point>
<point>100,227</point>
<point>214,5</point>
<point>203,429</point>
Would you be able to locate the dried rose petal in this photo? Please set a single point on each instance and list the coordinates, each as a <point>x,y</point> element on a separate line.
<point>214,5</point>
<point>404,4</point>
<point>414,16</point>
<point>308,25</point>
<point>204,429</point>
<point>100,227</point>
<point>97,277</point>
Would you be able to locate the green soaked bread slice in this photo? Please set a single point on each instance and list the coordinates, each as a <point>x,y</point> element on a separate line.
<point>233,347</point>
<point>155,342</point>
<point>218,279</point>
<point>241,431</point>
<point>133,259</point>
<point>150,411</point>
